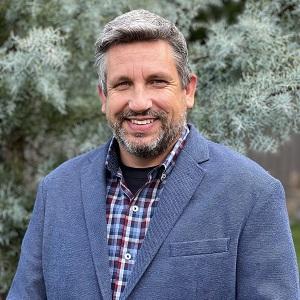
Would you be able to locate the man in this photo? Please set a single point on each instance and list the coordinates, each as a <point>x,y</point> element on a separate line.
<point>158,212</point>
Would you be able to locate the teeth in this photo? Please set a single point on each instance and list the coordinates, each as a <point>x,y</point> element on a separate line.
<point>142,122</point>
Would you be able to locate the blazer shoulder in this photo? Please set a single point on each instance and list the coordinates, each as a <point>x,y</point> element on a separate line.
<point>238,166</point>
<point>73,166</point>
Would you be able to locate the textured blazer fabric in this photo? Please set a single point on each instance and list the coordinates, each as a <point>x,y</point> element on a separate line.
<point>220,231</point>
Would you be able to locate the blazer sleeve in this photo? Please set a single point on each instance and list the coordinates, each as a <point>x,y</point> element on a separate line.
<point>28,282</point>
<point>266,265</point>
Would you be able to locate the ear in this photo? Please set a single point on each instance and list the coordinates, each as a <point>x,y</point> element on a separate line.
<point>103,99</point>
<point>190,91</point>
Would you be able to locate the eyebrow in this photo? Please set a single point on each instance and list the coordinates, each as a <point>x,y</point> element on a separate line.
<point>159,75</point>
<point>116,80</point>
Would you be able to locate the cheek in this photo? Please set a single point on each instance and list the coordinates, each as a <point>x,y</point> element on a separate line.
<point>114,106</point>
<point>164,102</point>
<point>179,110</point>
<point>174,106</point>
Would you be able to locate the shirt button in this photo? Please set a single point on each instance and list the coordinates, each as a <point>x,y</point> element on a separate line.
<point>163,176</point>
<point>127,256</point>
<point>135,208</point>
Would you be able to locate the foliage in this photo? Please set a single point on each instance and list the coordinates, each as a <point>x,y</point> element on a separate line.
<point>249,87</point>
<point>14,215</point>
<point>246,55</point>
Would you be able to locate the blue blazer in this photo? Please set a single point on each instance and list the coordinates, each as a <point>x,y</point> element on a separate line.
<point>220,231</point>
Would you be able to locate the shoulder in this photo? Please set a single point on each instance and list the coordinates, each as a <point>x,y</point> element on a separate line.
<point>237,164</point>
<point>72,167</point>
<point>226,165</point>
<point>244,178</point>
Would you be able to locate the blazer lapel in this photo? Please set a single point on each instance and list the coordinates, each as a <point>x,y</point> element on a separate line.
<point>179,188</point>
<point>93,185</point>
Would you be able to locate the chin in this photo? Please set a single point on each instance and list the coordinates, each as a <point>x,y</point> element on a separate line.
<point>140,141</point>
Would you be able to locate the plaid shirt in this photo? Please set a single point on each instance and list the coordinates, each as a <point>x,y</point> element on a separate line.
<point>128,215</point>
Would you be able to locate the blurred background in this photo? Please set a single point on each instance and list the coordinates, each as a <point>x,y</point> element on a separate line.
<point>245,53</point>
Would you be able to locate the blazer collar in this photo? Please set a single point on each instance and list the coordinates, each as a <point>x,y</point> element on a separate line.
<point>196,146</point>
<point>93,187</point>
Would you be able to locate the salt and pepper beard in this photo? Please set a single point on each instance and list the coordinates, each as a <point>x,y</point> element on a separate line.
<point>168,133</point>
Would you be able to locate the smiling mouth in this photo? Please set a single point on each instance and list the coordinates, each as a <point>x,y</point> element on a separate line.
<point>141,122</point>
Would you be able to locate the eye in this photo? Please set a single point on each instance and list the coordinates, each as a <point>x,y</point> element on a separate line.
<point>122,85</point>
<point>159,83</point>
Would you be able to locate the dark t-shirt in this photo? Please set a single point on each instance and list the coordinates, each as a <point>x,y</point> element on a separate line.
<point>135,178</point>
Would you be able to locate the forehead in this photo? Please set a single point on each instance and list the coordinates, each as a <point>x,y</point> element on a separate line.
<point>146,56</point>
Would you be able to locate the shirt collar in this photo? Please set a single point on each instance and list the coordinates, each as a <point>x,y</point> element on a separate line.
<point>169,162</point>
<point>112,159</point>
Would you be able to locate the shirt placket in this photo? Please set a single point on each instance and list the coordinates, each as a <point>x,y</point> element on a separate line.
<point>129,239</point>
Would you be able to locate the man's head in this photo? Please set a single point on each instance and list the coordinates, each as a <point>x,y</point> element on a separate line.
<point>145,84</point>
<point>142,25</point>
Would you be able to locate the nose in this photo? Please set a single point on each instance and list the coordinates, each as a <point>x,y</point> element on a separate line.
<point>140,100</point>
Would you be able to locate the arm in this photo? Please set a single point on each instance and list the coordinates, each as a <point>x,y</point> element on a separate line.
<point>28,282</point>
<point>266,265</point>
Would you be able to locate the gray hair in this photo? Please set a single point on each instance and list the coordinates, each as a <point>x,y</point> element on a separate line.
<point>141,25</point>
